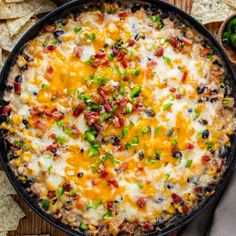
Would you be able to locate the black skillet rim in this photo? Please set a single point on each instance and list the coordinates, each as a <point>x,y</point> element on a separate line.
<point>32,32</point>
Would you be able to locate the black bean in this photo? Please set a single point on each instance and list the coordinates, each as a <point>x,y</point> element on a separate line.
<point>19,78</point>
<point>35,93</point>
<point>190,110</point>
<point>170,132</point>
<point>26,123</point>
<point>200,89</point>
<point>177,154</point>
<point>141,155</point>
<point>214,91</point>
<point>81,150</point>
<point>136,37</point>
<point>135,8</point>
<point>214,100</point>
<point>24,68</point>
<point>205,134</point>
<point>200,100</point>
<point>226,91</point>
<point>223,152</point>
<point>157,156</point>
<point>115,141</point>
<point>149,112</point>
<point>164,15</point>
<point>204,122</point>
<point>8,88</point>
<point>169,186</point>
<point>80,174</point>
<point>58,33</point>
<point>28,58</point>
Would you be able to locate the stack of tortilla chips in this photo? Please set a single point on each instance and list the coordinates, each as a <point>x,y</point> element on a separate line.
<point>208,11</point>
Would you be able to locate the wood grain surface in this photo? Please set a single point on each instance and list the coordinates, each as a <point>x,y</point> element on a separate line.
<point>32,224</point>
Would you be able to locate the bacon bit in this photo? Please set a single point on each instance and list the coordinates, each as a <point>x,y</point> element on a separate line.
<point>107,89</point>
<point>67,187</point>
<point>48,113</point>
<point>100,54</point>
<point>120,55</point>
<point>172,89</point>
<point>190,146</point>
<point>92,117</point>
<point>184,77</point>
<point>75,130</point>
<point>185,209</point>
<point>140,170</point>
<point>109,205</point>
<point>123,14</point>
<point>104,174</point>
<point>204,52</point>
<point>53,146</point>
<point>151,64</point>
<point>131,42</point>
<point>100,61</point>
<point>51,194</point>
<point>79,109</point>
<point>49,48</point>
<point>98,127</point>
<point>160,52</point>
<point>57,115</point>
<point>115,51</point>
<point>100,17</point>
<point>113,182</point>
<point>186,41</point>
<point>148,226</point>
<point>205,159</point>
<point>174,42</point>
<point>94,182</point>
<point>126,78</point>
<point>102,94</point>
<point>121,120</point>
<point>6,111</point>
<point>122,103</point>
<point>97,99</point>
<point>40,124</point>
<point>50,69</point>
<point>49,28</point>
<point>17,88</point>
<point>53,136</point>
<point>77,52</point>
<point>176,198</point>
<point>142,202</point>
<point>198,189</point>
<point>178,96</point>
<point>122,168</point>
<point>107,107</point>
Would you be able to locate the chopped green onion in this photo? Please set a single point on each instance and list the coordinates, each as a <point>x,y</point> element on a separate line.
<point>100,80</point>
<point>145,130</point>
<point>60,123</point>
<point>135,72</point>
<point>94,106</point>
<point>174,142</point>
<point>131,123</point>
<point>60,191</point>
<point>83,226</point>
<point>45,43</point>
<point>135,140</point>
<point>45,203</point>
<point>181,90</point>
<point>85,97</point>
<point>89,60</point>
<point>167,178</point>
<point>125,132</point>
<point>90,135</point>
<point>93,151</point>
<point>106,116</point>
<point>167,106</point>
<point>129,108</point>
<point>188,163</point>
<point>90,37</point>
<point>166,59</point>
<point>121,91</point>
<point>135,92</point>
<point>68,131</point>
<point>72,192</point>
<point>157,19</point>
<point>77,29</point>
<point>209,145</point>
<point>49,169</point>
<point>127,146</point>
<point>222,85</point>
<point>107,214</point>
<point>110,56</point>
<point>197,113</point>
<point>140,184</point>
<point>94,169</point>
<point>54,42</point>
<point>225,101</point>
<point>157,130</point>
<point>44,86</point>
<point>61,140</point>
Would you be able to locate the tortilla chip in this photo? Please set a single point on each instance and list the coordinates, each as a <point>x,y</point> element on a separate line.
<point>10,214</point>
<point>14,25</point>
<point>5,38</point>
<point>5,185</point>
<point>5,55</point>
<point>20,9</point>
<point>13,1</point>
<point>208,11</point>
<point>1,65</point>
<point>3,233</point>
<point>231,3</point>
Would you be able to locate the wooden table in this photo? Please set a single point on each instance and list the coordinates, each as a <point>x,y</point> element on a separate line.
<point>33,224</point>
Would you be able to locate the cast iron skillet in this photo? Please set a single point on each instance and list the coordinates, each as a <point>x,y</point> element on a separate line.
<point>82,5</point>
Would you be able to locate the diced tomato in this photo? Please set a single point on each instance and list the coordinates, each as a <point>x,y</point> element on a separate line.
<point>198,189</point>
<point>160,52</point>
<point>51,194</point>
<point>109,205</point>
<point>51,48</point>
<point>122,168</point>
<point>206,159</point>
<point>113,182</point>
<point>53,146</point>
<point>100,54</point>
<point>75,130</point>
<point>172,89</point>
<point>120,55</point>
<point>176,198</point>
<point>40,124</point>
<point>121,120</point>
<point>186,41</point>
<point>50,69</point>
<point>178,96</point>
<point>185,209</point>
<point>123,14</point>
<point>67,187</point>
<point>151,64</point>
<point>17,88</point>
<point>142,201</point>
<point>131,42</point>
<point>92,117</point>
<point>174,42</point>
<point>124,63</point>
<point>190,146</point>
<point>53,136</point>
<point>6,111</point>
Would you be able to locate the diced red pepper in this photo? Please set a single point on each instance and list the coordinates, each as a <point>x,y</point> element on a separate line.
<point>178,96</point>
<point>176,198</point>
<point>184,77</point>
<point>174,42</point>
<point>50,69</point>
<point>100,54</point>
<point>131,42</point>
<point>206,159</point>
<point>172,89</point>
<point>109,205</point>
<point>185,209</point>
<point>104,174</point>
<point>53,146</point>
<point>123,14</point>
<point>51,48</point>
<point>198,189</point>
<point>190,146</point>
